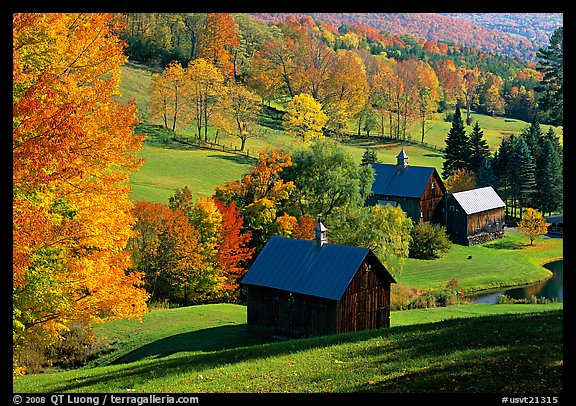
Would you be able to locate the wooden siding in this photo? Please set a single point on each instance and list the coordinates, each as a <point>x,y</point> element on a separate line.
<point>366,302</point>
<point>463,228</point>
<point>276,312</point>
<point>430,202</point>
<point>364,305</point>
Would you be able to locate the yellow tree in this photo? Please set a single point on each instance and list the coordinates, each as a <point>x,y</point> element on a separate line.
<point>304,117</point>
<point>460,180</point>
<point>168,94</point>
<point>427,93</point>
<point>532,224</point>
<point>204,84</point>
<point>345,93</point>
<point>73,150</point>
<point>381,85</point>
<point>243,106</point>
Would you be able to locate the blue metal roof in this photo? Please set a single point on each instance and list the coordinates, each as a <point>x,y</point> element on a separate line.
<point>401,181</point>
<point>301,266</point>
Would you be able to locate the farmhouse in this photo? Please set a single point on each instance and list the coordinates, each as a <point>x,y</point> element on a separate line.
<point>417,189</point>
<point>474,216</point>
<point>305,288</point>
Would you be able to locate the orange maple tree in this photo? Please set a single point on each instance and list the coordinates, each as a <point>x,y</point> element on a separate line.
<point>218,42</point>
<point>233,251</point>
<point>73,150</point>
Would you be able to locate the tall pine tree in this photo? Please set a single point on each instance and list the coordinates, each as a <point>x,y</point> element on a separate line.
<point>532,134</point>
<point>551,64</point>
<point>549,179</point>
<point>479,149</point>
<point>522,171</point>
<point>457,151</point>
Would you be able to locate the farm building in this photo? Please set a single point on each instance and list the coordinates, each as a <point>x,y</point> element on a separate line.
<point>305,288</point>
<point>474,216</point>
<point>556,223</point>
<point>417,189</point>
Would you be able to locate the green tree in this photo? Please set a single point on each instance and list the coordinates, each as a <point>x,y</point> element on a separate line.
<point>532,134</point>
<point>304,117</point>
<point>478,148</point>
<point>326,177</point>
<point>370,156</point>
<point>501,168</point>
<point>522,174</point>
<point>428,240</point>
<point>457,151</point>
<point>551,64</point>
<point>549,178</point>
<point>383,229</point>
<point>486,175</point>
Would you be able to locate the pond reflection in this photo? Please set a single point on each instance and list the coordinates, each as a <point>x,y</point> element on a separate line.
<point>550,289</point>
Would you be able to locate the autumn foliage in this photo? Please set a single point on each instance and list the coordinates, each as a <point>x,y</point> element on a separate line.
<point>73,150</point>
<point>190,252</point>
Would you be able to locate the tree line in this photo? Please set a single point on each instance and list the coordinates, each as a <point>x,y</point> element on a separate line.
<point>341,68</point>
<point>526,170</point>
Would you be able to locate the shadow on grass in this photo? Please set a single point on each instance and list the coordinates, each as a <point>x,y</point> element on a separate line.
<point>210,339</point>
<point>433,155</point>
<point>518,346</point>
<point>239,159</point>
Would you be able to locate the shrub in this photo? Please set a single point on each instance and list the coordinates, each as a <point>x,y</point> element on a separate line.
<point>428,240</point>
<point>404,298</point>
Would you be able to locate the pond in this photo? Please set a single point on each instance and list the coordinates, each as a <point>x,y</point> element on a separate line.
<point>550,289</point>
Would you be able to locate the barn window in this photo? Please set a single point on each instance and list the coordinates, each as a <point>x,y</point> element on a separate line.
<point>432,186</point>
<point>451,208</point>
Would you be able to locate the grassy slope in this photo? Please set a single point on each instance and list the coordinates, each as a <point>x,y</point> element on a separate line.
<point>201,170</point>
<point>515,348</point>
<point>506,262</point>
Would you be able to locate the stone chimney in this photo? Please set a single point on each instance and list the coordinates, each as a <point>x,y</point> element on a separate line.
<point>402,159</point>
<point>320,233</point>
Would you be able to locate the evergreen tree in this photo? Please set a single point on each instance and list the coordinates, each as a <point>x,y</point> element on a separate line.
<point>500,166</point>
<point>522,174</point>
<point>369,157</point>
<point>551,135</point>
<point>457,151</point>
<point>486,175</point>
<point>551,63</point>
<point>532,134</point>
<point>549,179</point>
<point>478,148</point>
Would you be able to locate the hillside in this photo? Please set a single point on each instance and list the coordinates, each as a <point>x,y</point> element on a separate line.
<point>172,166</point>
<point>514,348</point>
<point>510,34</point>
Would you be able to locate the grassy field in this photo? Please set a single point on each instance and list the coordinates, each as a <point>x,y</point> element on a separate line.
<point>201,170</point>
<point>514,348</point>
<point>506,262</point>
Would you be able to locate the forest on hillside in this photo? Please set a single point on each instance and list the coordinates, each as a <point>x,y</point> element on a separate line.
<point>518,35</point>
<point>384,72</point>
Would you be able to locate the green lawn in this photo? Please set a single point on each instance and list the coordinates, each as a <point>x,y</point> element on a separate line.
<point>166,170</point>
<point>514,348</point>
<point>506,262</point>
